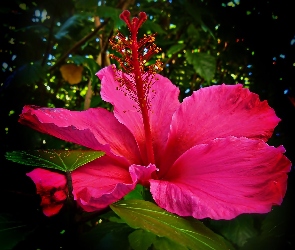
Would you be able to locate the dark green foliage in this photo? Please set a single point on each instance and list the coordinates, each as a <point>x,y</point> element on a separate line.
<point>106,235</point>
<point>204,64</point>
<point>12,231</point>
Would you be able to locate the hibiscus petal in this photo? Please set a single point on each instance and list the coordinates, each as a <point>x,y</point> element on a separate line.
<point>95,128</point>
<point>218,112</point>
<point>51,186</point>
<point>163,98</point>
<point>52,209</point>
<point>142,174</point>
<point>104,181</point>
<point>223,179</point>
<point>163,105</point>
<point>47,180</point>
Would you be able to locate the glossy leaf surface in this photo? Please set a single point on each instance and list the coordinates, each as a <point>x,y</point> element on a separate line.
<point>150,217</point>
<point>63,160</point>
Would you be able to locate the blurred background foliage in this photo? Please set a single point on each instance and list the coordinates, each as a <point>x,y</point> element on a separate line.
<point>51,49</point>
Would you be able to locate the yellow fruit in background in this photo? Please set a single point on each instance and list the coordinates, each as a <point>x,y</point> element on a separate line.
<point>71,73</point>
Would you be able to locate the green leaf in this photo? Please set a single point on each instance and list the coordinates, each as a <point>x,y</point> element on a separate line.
<point>110,12</point>
<point>194,10</point>
<point>12,231</point>
<point>274,229</point>
<point>116,219</point>
<point>203,63</point>
<point>40,29</point>
<point>141,239</point>
<point>198,13</point>
<point>96,101</point>
<point>162,243</point>
<point>107,236</point>
<point>63,160</point>
<point>136,194</point>
<point>153,27</point>
<point>207,29</point>
<point>175,48</point>
<point>193,32</point>
<point>93,67</point>
<point>150,217</point>
<point>238,230</point>
<point>73,21</point>
<point>78,59</point>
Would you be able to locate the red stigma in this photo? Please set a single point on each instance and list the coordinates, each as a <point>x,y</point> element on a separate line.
<point>139,77</point>
<point>135,55</point>
<point>135,23</point>
<point>145,47</point>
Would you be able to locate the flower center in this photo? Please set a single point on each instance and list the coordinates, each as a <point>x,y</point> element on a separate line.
<point>139,78</point>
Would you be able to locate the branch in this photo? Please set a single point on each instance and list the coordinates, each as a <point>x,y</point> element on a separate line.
<point>104,48</point>
<point>123,4</point>
<point>78,44</point>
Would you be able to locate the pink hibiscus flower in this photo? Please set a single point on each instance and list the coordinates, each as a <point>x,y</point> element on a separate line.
<point>204,157</point>
<point>52,188</point>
